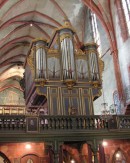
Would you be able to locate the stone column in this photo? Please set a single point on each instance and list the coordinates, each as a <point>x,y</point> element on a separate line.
<point>16,160</point>
<point>56,158</point>
<point>95,156</point>
<point>101,154</point>
<point>56,149</point>
<point>89,154</point>
<point>94,147</point>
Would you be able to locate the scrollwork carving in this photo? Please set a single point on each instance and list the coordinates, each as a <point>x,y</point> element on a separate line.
<point>30,61</point>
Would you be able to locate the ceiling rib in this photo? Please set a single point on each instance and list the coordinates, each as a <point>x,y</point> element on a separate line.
<point>16,40</point>
<point>5,24</point>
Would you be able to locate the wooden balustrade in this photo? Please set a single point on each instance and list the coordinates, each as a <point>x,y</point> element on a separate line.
<point>12,109</point>
<point>72,123</point>
<point>124,122</point>
<point>11,123</point>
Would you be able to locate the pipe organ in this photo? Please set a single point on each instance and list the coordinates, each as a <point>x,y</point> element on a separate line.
<point>69,77</point>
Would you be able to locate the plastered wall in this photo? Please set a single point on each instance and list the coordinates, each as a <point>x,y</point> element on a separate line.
<point>123,53</point>
<point>108,76</point>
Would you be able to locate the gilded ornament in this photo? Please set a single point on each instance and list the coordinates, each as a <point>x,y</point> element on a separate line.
<point>70,83</point>
<point>30,61</point>
<point>101,66</point>
<point>79,52</point>
<point>96,84</point>
<point>39,39</point>
<point>66,25</point>
<point>91,44</point>
<point>66,35</point>
<point>98,94</point>
<point>53,53</point>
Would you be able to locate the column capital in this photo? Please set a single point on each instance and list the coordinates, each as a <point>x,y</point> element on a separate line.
<point>94,144</point>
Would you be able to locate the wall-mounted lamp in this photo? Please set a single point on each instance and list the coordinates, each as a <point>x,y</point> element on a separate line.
<point>28,146</point>
<point>104,143</point>
<point>72,161</point>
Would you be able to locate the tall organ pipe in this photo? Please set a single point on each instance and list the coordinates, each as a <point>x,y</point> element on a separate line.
<point>92,55</point>
<point>67,54</point>
<point>40,60</point>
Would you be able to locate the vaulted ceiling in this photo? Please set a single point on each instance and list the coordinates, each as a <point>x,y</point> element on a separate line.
<point>21,21</point>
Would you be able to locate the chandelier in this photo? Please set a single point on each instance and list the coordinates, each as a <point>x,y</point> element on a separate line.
<point>107,112</point>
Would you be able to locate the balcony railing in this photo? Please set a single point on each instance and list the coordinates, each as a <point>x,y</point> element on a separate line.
<point>12,109</point>
<point>72,123</point>
<point>42,123</point>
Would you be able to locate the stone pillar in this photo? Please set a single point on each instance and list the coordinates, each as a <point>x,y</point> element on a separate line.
<point>89,154</point>
<point>56,158</point>
<point>16,160</point>
<point>101,154</point>
<point>94,147</point>
<point>57,149</point>
<point>95,156</point>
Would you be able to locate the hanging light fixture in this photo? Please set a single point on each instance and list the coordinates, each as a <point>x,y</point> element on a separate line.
<point>105,112</point>
<point>72,161</point>
<point>113,109</point>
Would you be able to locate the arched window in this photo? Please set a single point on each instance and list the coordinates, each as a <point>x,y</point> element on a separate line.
<point>119,157</point>
<point>126,9</point>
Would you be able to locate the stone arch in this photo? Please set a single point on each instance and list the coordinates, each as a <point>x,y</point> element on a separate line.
<point>5,158</point>
<point>120,157</point>
<point>72,152</point>
<point>34,158</point>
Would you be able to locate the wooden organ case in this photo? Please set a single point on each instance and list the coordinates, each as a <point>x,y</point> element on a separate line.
<point>69,78</point>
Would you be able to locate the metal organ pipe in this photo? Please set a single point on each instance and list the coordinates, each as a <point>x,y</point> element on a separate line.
<point>41,60</point>
<point>91,51</point>
<point>72,57</point>
<point>64,58</point>
<point>67,54</point>
<point>94,70</point>
<point>82,67</point>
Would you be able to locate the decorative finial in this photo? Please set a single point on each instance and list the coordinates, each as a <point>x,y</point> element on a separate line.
<point>67,23</point>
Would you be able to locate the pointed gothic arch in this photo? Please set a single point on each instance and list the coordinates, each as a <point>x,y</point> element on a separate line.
<point>119,156</point>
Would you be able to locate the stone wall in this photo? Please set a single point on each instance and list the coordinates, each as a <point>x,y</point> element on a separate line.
<point>123,53</point>
<point>117,145</point>
<point>17,151</point>
<point>109,79</point>
<point>12,96</point>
